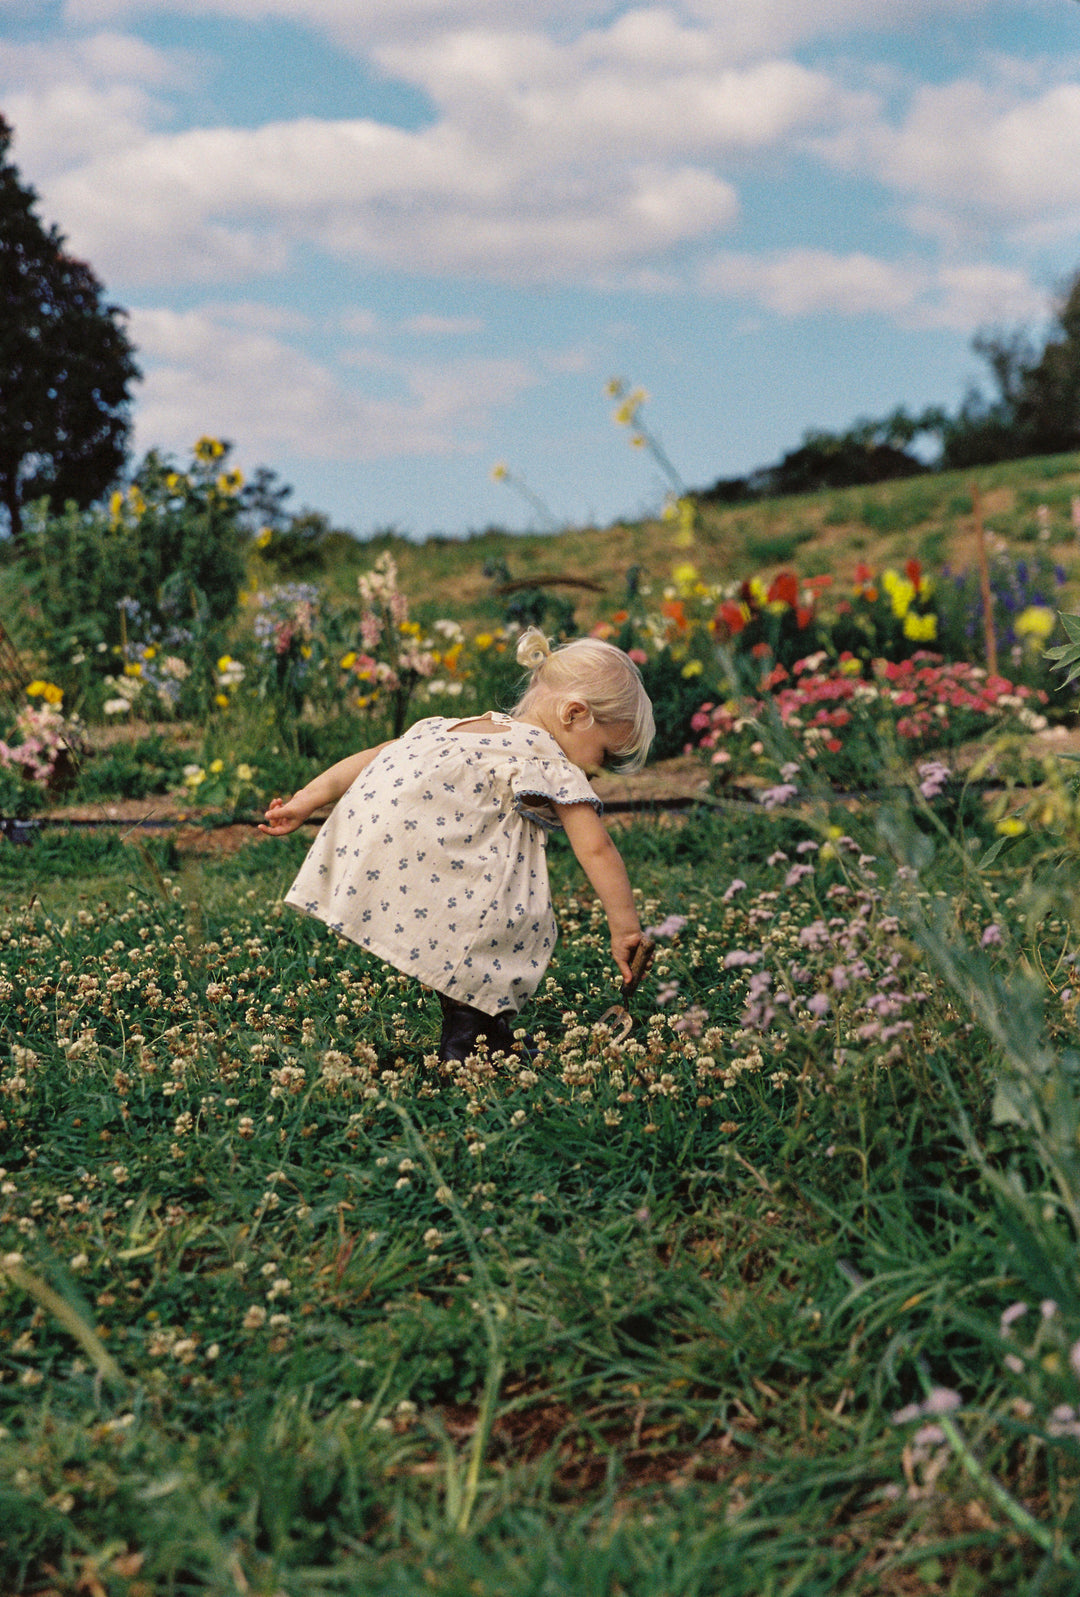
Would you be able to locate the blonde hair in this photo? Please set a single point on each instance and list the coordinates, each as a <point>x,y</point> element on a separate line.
<point>602,677</point>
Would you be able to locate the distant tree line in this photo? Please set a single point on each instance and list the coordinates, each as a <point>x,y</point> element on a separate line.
<point>1033,408</point>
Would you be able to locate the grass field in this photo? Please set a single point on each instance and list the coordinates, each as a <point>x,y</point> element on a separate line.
<point>779,1296</point>
<point>926,518</point>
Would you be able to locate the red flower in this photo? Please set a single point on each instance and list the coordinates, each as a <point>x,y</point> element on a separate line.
<point>863,573</point>
<point>730,615</point>
<point>784,589</point>
<point>914,573</point>
<point>803,617</point>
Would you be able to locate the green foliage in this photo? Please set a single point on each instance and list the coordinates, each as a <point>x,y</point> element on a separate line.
<point>66,364</point>
<point>132,770</point>
<point>152,577</point>
<point>769,1294</point>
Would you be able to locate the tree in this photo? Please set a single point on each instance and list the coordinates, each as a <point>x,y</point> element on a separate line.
<point>66,364</point>
<point>1036,410</point>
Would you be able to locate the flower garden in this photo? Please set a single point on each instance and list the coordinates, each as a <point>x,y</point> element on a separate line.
<point>777,1295</point>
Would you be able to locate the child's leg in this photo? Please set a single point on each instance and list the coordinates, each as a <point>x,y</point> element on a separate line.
<point>463,1026</point>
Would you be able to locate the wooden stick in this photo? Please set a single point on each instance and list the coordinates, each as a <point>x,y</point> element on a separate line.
<point>984,582</point>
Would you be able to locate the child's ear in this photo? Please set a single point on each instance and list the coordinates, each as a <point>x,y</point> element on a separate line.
<point>573,710</point>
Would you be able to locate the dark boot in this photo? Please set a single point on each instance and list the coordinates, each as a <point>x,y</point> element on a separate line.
<point>463,1026</point>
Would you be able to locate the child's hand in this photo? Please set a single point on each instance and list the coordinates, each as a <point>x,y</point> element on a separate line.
<point>282,817</point>
<point>623,947</point>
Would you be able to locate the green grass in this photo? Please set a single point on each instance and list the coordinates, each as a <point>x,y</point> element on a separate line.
<point>884,523</point>
<point>632,1321</point>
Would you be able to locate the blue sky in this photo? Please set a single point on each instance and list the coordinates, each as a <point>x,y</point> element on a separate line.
<point>383,246</point>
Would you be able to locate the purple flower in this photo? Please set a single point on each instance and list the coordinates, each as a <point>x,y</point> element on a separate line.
<point>771,798</point>
<point>736,886</point>
<point>819,1005</point>
<point>668,927</point>
<point>941,1400</point>
<point>991,937</point>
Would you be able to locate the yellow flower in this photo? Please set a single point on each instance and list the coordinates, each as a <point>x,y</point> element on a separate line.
<point>347,661</point>
<point>244,773</point>
<point>483,640</point>
<point>305,651</point>
<point>136,500</point>
<point>149,652</point>
<point>52,694</point>
<point>216,767</point>
<point>230,482</point>
<point>499,472</point>
<point>221,700</point>
<point>692,668</point>
<point>263,537</point>
<point>35,689</point>
<point>901,592</point>
<point>224,662</point>
<point>116,508</point>
<point>685,575</point>
<point>133,669</point>
<point>208,450</point>
<point>1011,826</point>
<point>172,481</point>
<point>1036,622</point>
<point>758,592</point>
<point>687,517</point>
<point>850,668</point>
<point>920,629</point>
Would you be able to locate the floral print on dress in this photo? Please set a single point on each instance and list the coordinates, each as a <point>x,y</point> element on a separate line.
<point>435,858</point>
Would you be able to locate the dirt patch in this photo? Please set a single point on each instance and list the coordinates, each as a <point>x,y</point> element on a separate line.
<point>193,831</point>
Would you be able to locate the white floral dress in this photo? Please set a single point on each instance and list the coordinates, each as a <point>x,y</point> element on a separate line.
<point>435,858</point>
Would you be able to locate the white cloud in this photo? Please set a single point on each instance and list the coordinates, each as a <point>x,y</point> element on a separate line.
<point>235,202</point>
<point>978,156</point>
<point>74,101</point>
<point>806,282</point>
<point>747,27</point>
<point>610,92</point>
<point>204,373</point>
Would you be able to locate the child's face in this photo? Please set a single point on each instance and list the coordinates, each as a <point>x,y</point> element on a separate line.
<point>592,744</point>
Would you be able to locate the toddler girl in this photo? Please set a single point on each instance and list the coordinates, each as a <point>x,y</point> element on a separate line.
<point>434,855</point>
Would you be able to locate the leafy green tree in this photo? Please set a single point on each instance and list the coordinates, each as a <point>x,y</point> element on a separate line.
<point>1035,409</point>
<point>66,364</point>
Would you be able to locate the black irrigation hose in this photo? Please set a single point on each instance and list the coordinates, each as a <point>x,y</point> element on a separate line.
<point>740,798</point>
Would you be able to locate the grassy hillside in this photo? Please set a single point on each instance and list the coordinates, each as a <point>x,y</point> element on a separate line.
<point>929,518</point>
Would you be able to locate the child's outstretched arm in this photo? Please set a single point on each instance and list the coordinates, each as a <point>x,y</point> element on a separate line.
<point>285,815</point>
<point>603,865</point>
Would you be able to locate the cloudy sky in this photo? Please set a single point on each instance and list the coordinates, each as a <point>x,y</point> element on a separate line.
<point>382,245</point>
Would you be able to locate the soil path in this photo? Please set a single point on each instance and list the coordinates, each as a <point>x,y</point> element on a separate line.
<point>192,830</point>
<point>671,782</point>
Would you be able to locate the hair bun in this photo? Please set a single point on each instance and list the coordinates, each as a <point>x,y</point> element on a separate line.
<point>532,648</point>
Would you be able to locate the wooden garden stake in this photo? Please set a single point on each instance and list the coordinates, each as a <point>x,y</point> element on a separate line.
<point>984,582</point>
